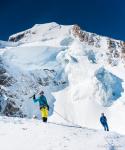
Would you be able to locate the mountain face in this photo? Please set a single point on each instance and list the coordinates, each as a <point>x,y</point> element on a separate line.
<point>81,73</point>
<point>116,48</point>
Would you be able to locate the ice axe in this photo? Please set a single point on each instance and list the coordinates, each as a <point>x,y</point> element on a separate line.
<point>33,96</point>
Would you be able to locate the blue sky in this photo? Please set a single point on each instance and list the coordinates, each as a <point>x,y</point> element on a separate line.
<point>104,17</point>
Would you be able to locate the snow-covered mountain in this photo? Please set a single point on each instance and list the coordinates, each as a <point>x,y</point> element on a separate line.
<point>81,73</point>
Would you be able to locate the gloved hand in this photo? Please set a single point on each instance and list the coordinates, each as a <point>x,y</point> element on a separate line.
<point>34,96</point>
<point>48,107</point>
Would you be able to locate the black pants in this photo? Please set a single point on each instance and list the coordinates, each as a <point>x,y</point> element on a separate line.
<point>105,125</point>
<point>44,119</point>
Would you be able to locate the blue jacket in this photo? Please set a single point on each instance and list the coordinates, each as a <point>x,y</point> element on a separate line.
<point>103,120</point>
<point>42,101</point>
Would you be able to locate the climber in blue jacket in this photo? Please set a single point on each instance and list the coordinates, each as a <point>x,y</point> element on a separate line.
<point>44,107</point>
<point>103,121</point>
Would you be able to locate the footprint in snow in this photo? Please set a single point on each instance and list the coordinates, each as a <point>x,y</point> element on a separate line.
<point>24,128</point>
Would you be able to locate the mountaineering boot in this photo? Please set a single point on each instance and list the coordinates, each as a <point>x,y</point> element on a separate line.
<point>44,119</point>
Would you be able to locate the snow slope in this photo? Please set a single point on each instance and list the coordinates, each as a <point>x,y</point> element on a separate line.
<point>81,73</point>
<point>32,134</point>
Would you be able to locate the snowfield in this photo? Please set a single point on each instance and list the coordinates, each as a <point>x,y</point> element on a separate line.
<point>82,75</point>
<point>32,134</point>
